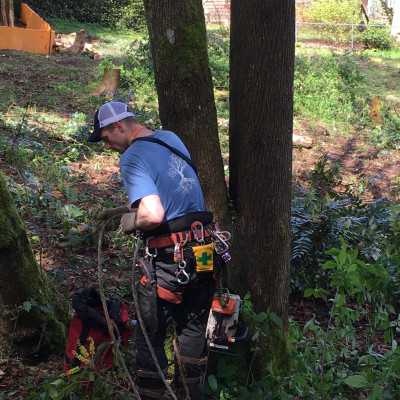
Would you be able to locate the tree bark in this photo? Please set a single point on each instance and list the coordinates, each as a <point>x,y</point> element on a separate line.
<point>185,90</point>
<point>261,125</point>
<point>7,13</point>
<point>23,284</point>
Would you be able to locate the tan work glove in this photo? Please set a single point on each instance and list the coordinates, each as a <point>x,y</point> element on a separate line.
<point>110,218</point>
<point>128,223</point>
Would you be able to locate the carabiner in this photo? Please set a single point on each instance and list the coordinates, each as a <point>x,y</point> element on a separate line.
<point>183,277</point>
<point>147,249</point>
<point>195,226</point>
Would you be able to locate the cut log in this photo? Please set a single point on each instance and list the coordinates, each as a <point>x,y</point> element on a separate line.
<point>79,43</point>
<point>109,84</point>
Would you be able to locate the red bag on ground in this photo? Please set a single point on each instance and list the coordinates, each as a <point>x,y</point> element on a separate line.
<point>89,322</point>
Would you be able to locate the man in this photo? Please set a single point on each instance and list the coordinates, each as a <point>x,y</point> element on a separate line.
<point>166,204</point>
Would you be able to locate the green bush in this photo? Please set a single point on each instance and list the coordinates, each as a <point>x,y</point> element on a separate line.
<point>377,38</point>
<point>110,13</point>
<point>334,12</point>
<point>218,54</point>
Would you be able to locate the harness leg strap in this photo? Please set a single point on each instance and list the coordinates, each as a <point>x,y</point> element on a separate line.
<point>150,384</point>
<point>189,376</point>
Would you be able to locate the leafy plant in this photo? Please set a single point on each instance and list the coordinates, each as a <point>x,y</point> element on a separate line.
<point>324,87</point>
<point>377,38</point>
<point>334,12</point>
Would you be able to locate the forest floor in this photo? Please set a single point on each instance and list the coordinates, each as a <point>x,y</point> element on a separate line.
<point>359,162</point>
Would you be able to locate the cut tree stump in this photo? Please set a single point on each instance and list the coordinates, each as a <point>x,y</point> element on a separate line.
<point>109,84</point>
<point>79,42</point>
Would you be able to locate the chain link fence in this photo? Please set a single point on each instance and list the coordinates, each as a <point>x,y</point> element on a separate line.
<point>350,36</point>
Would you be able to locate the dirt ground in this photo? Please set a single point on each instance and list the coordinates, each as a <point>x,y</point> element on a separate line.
<point>372,172</point>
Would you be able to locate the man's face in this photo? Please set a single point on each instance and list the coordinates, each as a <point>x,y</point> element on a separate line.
<point>114,137</point>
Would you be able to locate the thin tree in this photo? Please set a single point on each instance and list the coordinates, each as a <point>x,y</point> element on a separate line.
<point>185,91</point>
<point>7,12</point>
<point>261,125</point>
<point>34,316</point>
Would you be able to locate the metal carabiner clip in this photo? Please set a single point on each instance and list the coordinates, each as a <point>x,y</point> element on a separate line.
<point>147,249</point>
<point>197,226</point>
<point>183,277</point>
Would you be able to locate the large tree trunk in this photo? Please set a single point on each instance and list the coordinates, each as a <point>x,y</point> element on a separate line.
<point>7,13</point>
<point>25,292</point>
<point>261,123</point>
<point>185,90</point>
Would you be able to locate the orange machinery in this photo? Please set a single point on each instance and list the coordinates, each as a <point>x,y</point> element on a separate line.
<point>37,37</point>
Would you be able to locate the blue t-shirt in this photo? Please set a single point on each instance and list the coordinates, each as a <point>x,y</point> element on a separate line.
<point>148,168</point>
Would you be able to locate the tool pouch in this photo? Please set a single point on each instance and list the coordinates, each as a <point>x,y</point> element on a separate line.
<point>147,298</point>
<point>204,257</point>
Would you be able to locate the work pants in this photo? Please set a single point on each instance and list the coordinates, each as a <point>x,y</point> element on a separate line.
<point>190,318</point>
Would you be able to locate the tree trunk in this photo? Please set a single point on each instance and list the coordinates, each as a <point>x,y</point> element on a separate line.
<point>25,292</point>
<point>185,90</point>
<point>7,13</point>
<point>261,124</point>
<point>395,30</point>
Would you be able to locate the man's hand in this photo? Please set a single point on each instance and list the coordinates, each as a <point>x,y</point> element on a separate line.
<point>110,218</point>
<point>128,223</point>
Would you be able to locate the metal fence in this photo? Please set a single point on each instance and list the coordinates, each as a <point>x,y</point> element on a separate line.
<point>342,35</point>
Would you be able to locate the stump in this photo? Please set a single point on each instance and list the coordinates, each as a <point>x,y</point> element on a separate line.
<point>109,84</point>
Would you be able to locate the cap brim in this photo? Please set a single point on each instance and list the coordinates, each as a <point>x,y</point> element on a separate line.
<point>95,136</point>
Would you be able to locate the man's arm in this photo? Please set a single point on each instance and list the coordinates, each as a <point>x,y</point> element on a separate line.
<point>150,213</point>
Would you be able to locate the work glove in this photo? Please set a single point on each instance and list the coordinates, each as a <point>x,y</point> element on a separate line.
<point>128,223</point>
<point>110,218</point>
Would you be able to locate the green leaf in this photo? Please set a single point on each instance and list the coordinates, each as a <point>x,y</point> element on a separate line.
<point>332,252</point>
<point>91,376</point>
<point>301,380</point>
<point>53,392</point>
<point>311,292</point>
<point>329,265</point>
<point>27,306</point>
<point>57,382</point>
<point>255,336</point>
<point>342,256</point>
<point>262,316</point>
<point>357,381</point>
<point>212,381</point>
<point>340,299</point>
<point>47,309</point>
<point>275,318</point>
<point>227,371</point>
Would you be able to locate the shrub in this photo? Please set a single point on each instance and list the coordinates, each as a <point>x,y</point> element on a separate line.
<point>334,12</point>
<point>377,38</point>
<point>218,54</point>
<point>109,13</point>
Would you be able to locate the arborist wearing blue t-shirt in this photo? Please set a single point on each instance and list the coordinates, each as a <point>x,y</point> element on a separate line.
<point>166,204</point>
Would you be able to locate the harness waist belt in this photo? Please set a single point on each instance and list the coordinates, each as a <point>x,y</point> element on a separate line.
<point>178,237</point>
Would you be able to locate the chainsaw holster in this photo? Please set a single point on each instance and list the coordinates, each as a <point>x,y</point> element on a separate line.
<point>189,373</point>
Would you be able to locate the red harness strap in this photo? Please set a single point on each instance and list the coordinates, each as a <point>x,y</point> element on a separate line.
<point>178,237</point>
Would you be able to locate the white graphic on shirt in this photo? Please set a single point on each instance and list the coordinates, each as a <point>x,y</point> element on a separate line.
<point>176,167</point>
